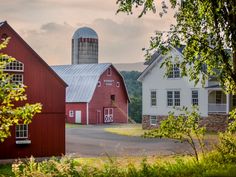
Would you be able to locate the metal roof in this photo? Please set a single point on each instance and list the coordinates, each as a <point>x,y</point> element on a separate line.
<point>82,80</point>
<point>85,32</point>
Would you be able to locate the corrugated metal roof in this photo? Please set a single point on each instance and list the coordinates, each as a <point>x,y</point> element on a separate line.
<point>82,80</point>
<point>85,32</point>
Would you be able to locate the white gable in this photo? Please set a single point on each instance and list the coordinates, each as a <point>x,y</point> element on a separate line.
<point>153,78</point>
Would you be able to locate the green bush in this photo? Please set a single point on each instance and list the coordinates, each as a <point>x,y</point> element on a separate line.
<point>210,165</point>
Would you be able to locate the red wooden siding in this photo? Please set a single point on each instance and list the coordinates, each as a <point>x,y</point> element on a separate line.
<point>47,131</point>
<point>76,107</point>
<point>102,99</point>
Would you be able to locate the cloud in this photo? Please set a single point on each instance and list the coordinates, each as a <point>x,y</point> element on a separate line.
<point>52,42</point>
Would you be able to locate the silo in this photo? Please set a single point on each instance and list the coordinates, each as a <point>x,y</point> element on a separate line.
<point>84,46</point>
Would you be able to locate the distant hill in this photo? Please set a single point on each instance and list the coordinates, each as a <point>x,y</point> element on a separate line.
<point>130,66</point>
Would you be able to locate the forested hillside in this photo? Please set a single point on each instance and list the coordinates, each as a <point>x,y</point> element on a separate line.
<point>135,94</point>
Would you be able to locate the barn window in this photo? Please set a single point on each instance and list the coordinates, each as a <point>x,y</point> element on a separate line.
<point>109,71</point>
<point>99,84</point>
<point>17,79</point>
<point>15,66</point>
<point>117,84</point>
<point>113,97</point>
<point>22,131</point>
<point>71,113</point>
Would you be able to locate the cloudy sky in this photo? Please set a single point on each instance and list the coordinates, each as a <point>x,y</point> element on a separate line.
<point>48,25</point>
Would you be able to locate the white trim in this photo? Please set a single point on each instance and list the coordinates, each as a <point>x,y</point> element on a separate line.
<point>87,113</point>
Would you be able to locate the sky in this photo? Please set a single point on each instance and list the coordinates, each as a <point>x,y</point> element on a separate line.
<point>48,26</point>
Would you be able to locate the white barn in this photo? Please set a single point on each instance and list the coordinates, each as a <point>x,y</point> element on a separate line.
<point>161,93</point>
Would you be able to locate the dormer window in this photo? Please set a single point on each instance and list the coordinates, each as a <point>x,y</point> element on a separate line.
<point>109,71</point>
<point>174,71</point>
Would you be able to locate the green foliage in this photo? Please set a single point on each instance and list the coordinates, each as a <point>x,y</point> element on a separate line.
<point>210,165</point>
<point>184,127</point>
<point>135,93</point>
<point>10,94</point>
<point>207,28</point>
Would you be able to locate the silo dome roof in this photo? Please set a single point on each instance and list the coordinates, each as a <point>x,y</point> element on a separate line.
<point>85,32</point>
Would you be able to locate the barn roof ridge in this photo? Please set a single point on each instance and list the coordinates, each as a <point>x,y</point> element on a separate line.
<point>82,77</point>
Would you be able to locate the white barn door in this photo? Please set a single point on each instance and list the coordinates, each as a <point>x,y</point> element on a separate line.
<point>78,117</point>
<point>108,115</point>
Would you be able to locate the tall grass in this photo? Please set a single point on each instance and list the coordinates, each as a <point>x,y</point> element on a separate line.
<point>211,165</point>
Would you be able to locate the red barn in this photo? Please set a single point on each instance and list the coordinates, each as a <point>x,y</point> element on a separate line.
<point>96,93</point>
<point>45,136</point>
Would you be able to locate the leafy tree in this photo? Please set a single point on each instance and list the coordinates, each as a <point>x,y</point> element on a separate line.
<point>184,127</point>
<point>135,94</point>
<point>207,28</point>
<point>10,94</point>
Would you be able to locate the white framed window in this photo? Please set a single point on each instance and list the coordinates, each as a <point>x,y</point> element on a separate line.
<point>153,120</point>
<point>109,71</point>
<point>16,66</point>
<point>17,79</point>
<point>153,95</point>
<point>22,131</point>
<point>117,84</point>
<point>195,97</point>
<point>99,83</point>
<point>173,98</point>
<point>71,113</point>
<point>174,71</point>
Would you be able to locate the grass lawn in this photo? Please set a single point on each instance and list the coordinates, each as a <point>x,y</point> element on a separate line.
<point>68,125</point>
<point>127,130</point>
<point>136,130</point>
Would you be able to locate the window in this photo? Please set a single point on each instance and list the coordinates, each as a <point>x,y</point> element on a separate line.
<point>99,84</point>
<point>17,78</point>
<point>173,98</point>
<point>153,120</point>
<point>113,97</point>
<point>153,98</point>
<point>218,97</point>
<point>117,84</point>
<point>109,71</point>
<point>15,66</point>
<point>71,113</point>
<point>22,131</point>
<point>194,97</point>
<point>174,71</point>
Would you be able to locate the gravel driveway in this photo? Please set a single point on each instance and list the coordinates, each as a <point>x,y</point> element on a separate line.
<point>93,141</point>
